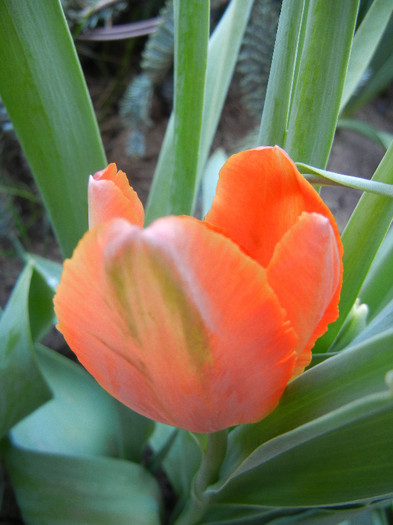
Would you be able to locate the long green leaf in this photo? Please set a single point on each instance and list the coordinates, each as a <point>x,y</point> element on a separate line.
<point>362,237</point>
<point>23,389</point>
<point>365,43</point>
<point>329,412</point>
<point>349,376</point>
<point>43,89</point>
<point>321,69</point>
<point>326,178</point>
<point>339,464</point>
<point>191,40</point>
<point>223,49</point>
<point>53,488</point>
<point>276,108</point>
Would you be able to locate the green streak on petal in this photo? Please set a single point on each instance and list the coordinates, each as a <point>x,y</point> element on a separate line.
<point>152,298</point>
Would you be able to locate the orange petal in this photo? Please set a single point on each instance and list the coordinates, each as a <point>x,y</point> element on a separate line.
<point>306,272</point>
<point>110,196</point>
<point>260,195</point>
<point>177,323</point>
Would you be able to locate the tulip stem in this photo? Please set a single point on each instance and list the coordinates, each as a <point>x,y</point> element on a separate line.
<point>207,474</point>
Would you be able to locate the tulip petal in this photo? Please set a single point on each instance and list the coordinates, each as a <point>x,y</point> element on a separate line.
<point>306,272</point>
<point>177,323</point>
<point>260,195</point>
<point>110,195</point>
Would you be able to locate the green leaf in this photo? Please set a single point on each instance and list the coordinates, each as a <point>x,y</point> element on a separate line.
<point>321,68</point>
<point>383,321</point>
<point>53,488</point>
<point>182,460</point>
<point>377,289</point>
<point>337,465</point>
<point>41,315</point>
<point>221,514</point>
<point>311,400</point>
<point>362,237</point>
<point>43,89</point>
<point>379,75</point>
<point>23,388</point>
<point>365,43</point>
<point>81,419</point>
<point>321,177</point>
<point>276,108</point>
<point>210,178</point>
<point>49,270</point>
<point>223,49</point>
<point>382,138</point>
<point>191,40</point>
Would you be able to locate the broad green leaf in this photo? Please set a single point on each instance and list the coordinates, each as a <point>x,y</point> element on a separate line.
<point>191,41</point>
<point>362,237</point>
<point>43,89</point>
<point>348,459</point>
<point>339,381</point>
<point>223,49</point>
<point>52,488</point>
<point>321,68</point>
<point>23,389</point>
<point>321,177</point>
<point>365,43</point>
<point>276,108</point>
<point>81,419</point>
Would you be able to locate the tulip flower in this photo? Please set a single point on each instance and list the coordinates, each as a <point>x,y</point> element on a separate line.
<point>202,324</point>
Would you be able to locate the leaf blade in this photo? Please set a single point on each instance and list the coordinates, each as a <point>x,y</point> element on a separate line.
<point>47,100</point>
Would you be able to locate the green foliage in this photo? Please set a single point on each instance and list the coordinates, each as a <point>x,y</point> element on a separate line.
<point>23,388</point>
<point>324,454</point>
<point>89,490</point>
<point>59,134</point>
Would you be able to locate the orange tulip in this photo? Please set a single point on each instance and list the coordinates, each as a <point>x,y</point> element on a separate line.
<point>201,324</point>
